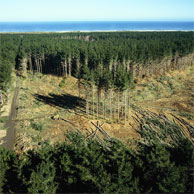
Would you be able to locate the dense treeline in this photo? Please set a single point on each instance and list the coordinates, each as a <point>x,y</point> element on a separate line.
<point>8,51</point>
<point>87,166</point>
<point>105,62</point>
<point>9,46</point>
<point>109,61</point>
<point>67,53</point>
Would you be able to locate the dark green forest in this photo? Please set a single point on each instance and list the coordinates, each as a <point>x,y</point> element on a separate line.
<point>81,165</point>
<point>108,59</point>
<point>112,62</point>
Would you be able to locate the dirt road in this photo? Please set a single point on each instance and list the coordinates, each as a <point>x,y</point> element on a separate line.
<point>9,139</point>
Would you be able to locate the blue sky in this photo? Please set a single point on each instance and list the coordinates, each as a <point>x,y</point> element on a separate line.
<point>96,10</point>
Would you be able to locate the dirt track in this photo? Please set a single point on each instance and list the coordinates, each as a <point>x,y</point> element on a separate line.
<point>9,139</point>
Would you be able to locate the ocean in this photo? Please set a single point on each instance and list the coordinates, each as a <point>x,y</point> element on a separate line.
<point>96,26</point>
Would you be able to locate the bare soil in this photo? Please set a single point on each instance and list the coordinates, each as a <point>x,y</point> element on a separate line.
<point>41,97</point>
<point>9,139</point>
<point>180,102</point>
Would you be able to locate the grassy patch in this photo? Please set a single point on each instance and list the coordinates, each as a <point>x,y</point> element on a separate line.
<point>2,127</point>
<point>23,97</point>
<point>3,119</point>
<point>62,84</point>
<point>186,115</point>
<point>37,103</point>
<point>38,126</point>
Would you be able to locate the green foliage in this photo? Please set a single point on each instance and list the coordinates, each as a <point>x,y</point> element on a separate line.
<point>122,82</point>
<point>88,166</point>
<point>3,119</point>
<point>106,54</point>
<point>160,129</point>
<point>37,126</point>
<point>8,170</point>
<point>8,50</point>
<point>106,80</point>
<point>5,74</point>
<point>130,80</point>
<point>86,73</point>
<point>42,179</point>
<point>4,158</point>
<point>167,176</point>
<point>62,84</point>
<point>186,115</point>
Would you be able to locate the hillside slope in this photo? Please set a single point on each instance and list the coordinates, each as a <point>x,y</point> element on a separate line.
<point>49,106</point>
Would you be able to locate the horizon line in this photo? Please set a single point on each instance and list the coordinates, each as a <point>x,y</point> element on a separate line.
<point>88,31</point>
<point>100,21</point>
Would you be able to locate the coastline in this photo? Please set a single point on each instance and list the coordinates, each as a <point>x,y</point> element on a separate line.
<point>96,26</point>
<point>91,31</point>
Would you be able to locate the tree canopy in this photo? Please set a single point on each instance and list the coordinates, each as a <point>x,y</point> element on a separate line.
<point>79,165</point>
<point>70,53</point>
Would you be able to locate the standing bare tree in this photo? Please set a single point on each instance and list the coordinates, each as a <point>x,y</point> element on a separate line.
<point>1,97</point>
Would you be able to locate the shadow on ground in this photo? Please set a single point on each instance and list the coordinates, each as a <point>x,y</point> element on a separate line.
<point>65,101</point>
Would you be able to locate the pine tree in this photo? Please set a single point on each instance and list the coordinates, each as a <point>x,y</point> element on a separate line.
<point>42,179</point>
<point>8,171</point>
<point>5,74</point>
<point>160,174</point>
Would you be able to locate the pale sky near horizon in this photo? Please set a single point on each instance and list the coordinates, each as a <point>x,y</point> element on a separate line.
<point>96,10</point>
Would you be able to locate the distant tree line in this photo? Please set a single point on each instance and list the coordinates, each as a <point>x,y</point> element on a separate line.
<point>109,61</point>
<point>86,166</point>
<point>63,54</point>
<point>8,51</point>
<point>70,53</point>
<point>9,46</point>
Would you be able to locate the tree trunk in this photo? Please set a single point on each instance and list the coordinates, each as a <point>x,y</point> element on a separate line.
<point>69,63</point>
<point>30,63</point>
<point>1,97</point>
<point>40,63</point>
<point>78,67</point>
<point>103,104</point>
<point>114,105</point>
<point>65,68</point>
<point>93,99</point>
<point>98,103</point>
<point>128,104</point>
<point>118,108</point>
<point>87,101</point>
<point>122,107</point>
<point>125,106</point>
<point>111,104</point>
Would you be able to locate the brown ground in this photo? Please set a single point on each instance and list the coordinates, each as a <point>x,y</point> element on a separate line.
<point>180,101</point>
<point>41,98</point>
<point>9,139</point>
